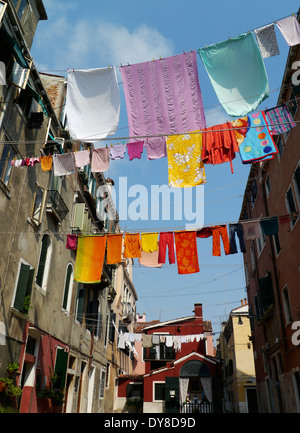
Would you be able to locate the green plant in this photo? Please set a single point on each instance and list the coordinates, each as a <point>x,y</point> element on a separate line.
<point>14,391</point>
<point>13,367</point>
<point>26,304</point>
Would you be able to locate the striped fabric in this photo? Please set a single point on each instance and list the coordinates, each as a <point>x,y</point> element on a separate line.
<point>279,119</point>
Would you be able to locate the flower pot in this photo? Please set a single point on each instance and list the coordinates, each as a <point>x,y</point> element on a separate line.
<point>3,386</point>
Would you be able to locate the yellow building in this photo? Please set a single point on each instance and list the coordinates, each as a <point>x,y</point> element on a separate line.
<point>235,349</point>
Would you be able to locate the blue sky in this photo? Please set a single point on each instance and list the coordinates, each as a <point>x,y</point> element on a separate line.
<point>98,34</point>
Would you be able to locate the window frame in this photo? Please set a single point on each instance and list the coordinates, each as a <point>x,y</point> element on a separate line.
<point>45,272</point>
<point>36,222</point>
<point>7,166</point>
<point>286,305</point>
<point>102,382</point>
<point>29,281</point>
<point>67,307</point>
<point>288,206</point>
<point>158,382</point>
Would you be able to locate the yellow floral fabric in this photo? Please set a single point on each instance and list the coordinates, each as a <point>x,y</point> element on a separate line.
<point>185,166</point>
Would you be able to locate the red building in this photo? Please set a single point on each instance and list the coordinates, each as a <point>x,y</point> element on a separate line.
<point>179,374</point>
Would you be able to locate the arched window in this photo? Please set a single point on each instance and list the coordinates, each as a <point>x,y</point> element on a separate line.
<point>68,288</point>
<point>44,262</point>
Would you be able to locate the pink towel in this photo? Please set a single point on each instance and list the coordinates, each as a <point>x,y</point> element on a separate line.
<point>135,150</point>
<point>163,97</point>
<point>100,159</point>
<point>71,242</point>
<point>82,158</point>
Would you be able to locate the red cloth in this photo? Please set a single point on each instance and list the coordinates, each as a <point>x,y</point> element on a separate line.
<point>71,242</point>
<point>166,239</point>
<point>206,232</point>
<point>186,252</point>
<point>219,146</point>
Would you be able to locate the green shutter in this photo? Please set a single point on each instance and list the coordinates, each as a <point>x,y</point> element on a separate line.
<point>111,326</point>
<point>22,287</point>
<point>80,304</point>
<point>42,263</point>
<point>61,367</point>
<point>67,286</point>
<point>78,215</point>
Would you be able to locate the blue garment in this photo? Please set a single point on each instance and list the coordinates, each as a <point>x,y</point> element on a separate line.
<point>255,143</point>
<point>236,229</point>
<point>237,73</point>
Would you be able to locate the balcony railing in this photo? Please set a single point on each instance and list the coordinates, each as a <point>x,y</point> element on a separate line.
<point>56,205</point>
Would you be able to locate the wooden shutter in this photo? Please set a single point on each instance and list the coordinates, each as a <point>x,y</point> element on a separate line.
<point>22,287</point>
<point>61,367</point>
<point>78,215</point>
<point>42,262</point>
<point>80,303</point>
<point>67,286</point>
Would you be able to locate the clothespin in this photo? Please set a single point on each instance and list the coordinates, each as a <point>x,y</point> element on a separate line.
<point>153,59</point>
<point>108,66</point>
<point>111,145</point>
<point>159,57</point>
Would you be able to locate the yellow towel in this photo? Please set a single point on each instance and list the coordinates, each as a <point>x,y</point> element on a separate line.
<point>185,166</point>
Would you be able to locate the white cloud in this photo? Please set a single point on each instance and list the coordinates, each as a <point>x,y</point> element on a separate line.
<point>62,44</point>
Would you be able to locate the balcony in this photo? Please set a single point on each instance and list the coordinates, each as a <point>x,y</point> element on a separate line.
<point>56,206</point>
<point>127,313</point>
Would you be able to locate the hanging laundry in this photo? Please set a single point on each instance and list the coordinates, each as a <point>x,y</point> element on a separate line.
<point>117,151</point>
<point>269,226</point>
<point>121,341</point>
<point>254,138</point>
<point>155,339</point>
<point>89,259</point>
<point>100,159</point>
<point>114,249</point>
<point>63,165</point>
<point>169,340</point>
<point>82,158</point>
<point>149,242</point>
<point>186,252</point>
<point>279,119</point>
<point>132,245</point>
<point>46,163</point>
<point>92,103</point>
<point>185,167</point>
<point>251,230</point>
<point>163,97</point>
<point>2,74</point>
<point>284,219</point>
<point>147,340</point>
<point>135,150</point>
<point>206,232</point>
<point>237,73</point>
<point>71,242</point>
<point>166,239</point>
<point>149,260</point>
<point>219,144</point>
<point>155,148</point>
<point>236,229</point>
<point>220,230</point>
<point>290,30</point>
<point>267,41</point>
<point>33,161</point>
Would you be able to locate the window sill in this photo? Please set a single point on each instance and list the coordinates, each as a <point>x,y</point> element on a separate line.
<point>18,313</point>
<point>33,223</point>
<point>5,189</point>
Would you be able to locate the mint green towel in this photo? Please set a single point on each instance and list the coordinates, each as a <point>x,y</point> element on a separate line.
<point>237,73</point>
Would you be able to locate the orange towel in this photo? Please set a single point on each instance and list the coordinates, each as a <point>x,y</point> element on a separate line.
<point>186,252</point>
<point>114,249</point>
<point>132,245</point>
<point>46,163</point>
<point>89,259</point>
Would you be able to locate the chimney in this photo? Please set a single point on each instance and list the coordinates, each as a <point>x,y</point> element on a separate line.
<point>245,301</point>
<point>242,302</point>
<point>198,310</point>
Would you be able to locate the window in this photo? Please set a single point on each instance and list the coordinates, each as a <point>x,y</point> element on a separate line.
<point>68,288</point>
<point>107,375</point>
<point>276,242</point>
<point>296,380</point>
<point>260,242</point>
<point>268,186</point>
<point>253,192</point>
<point>286,305</point>
<point>44,262</point>
<point>20,6</point>
<point>61,364</point>
<point>102,382</point>
<point>7,154</point>
<point>291,206</point>
<point>80,302</point>
<point>296,184</point>
<point>159,391</point>
<point>24,288</point>
<point>38,206</point>
<point>280,146</point>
